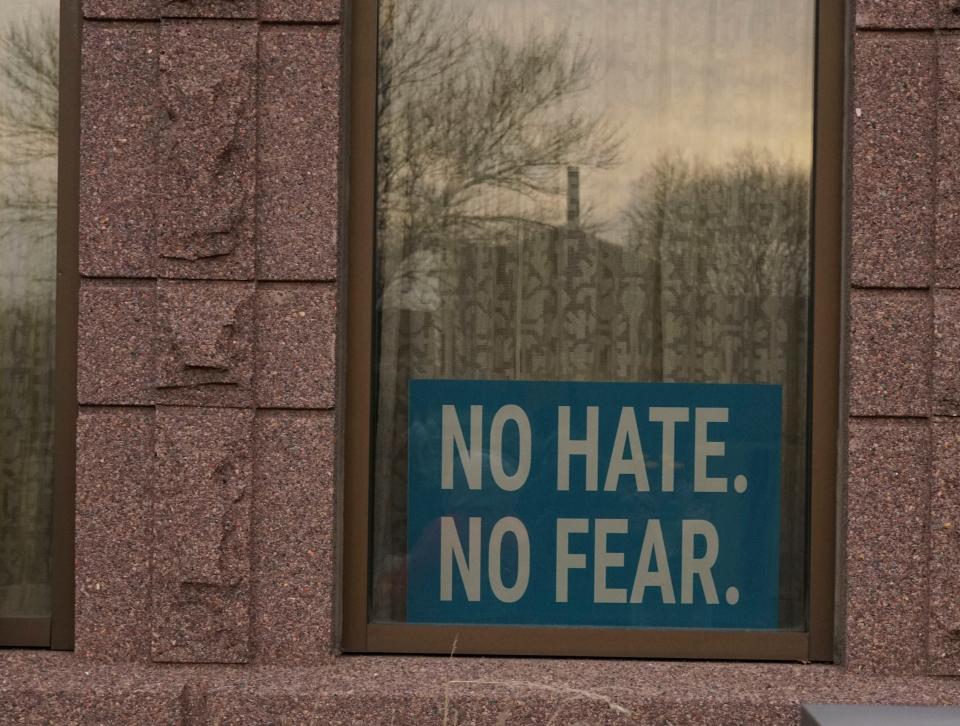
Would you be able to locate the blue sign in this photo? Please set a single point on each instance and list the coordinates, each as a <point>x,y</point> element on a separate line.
<point>594,504</point>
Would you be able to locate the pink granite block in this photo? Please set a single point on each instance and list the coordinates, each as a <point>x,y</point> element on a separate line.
<point>296,345</point>
<point>950,13</point>
<point>119,112</point>
<point>893,154</point>
<point>948,178</point>
<point>201,536</point>
<point>116,353</point>
<point>896,13</point>
<point>205,341</point>
<point>121,9</point>
<point>208,8</point>
<point>317,11</point>
<point>887,501</point>
<point>299,152</point>
<point>293,538</point>
<point>944,642</point>
<point>891,350</point>
<point>946,364</point>
<point>207,165</point>
<point>114,482</point>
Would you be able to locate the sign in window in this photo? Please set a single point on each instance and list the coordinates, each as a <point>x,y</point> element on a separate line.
<point>592,312</point>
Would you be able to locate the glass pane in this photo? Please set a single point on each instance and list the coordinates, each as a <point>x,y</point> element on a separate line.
<point>573,193</point>
<point>29,37</point>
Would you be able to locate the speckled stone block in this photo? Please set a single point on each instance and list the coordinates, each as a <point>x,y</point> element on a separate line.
<point>207,160</point>
<point>47,689</point>
<point>945,550</point>
<point>890,355</point>
<point>116,355</point>
<point>119,112</point>
<point>896,13</point>
<point>496,692</point>
<point>318,11</point>
<point>296,345</point>
<point>950,13</point>
<point>201,546</point>
<point>887,501</point>
<point>205,341</point>
<point>208,8</point>
<point>299,152</point>
<point>132,9</point>
<point>946,365</point>
<point>893,159</point>
<point>293,538</point>
<point>114,483</point>
<point>948,179</point>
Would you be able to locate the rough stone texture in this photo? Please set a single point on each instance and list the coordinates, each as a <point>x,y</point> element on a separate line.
<point>948,184</point>
<point>132,9</point>
<point>949,13</point>
<point>946,364</point>
<point>201,556</point>
<point>115,359</point>
<point>207,175</point>
<point>60,688</point>
<point>296,345</point>
<point>117,149</point>
<point>299,152</point>
<point>208,8</point>
<point>321,11</point>
<point>491,692</point>
<point>293,538</point>
<point>114,480</point>
<point>896,13</point>
<point>890,353</point>
<point>887,504</point>
<point>205,343</point>
<point>945,550</point>
<point>893,154</point>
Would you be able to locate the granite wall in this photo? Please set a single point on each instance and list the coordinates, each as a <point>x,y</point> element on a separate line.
<point>209,253</point>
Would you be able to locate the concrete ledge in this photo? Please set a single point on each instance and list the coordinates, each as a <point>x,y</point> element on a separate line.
<point>40,687</point>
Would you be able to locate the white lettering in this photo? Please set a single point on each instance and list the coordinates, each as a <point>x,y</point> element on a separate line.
<point>565,560</point>
<point>698,566</point>
<point>510,482</point>
<point>472,460</point>
<point>669,417</point>
<point>653,547</point>
<point>704,449</point>
<point>567,447</point>
<point>452,549</point>
<point>603,560</point>
<point>515,527</point>
<point>627,432</point>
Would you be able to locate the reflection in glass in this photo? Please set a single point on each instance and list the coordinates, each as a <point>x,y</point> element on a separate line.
<point>29,38</point>
<point>592,190</point>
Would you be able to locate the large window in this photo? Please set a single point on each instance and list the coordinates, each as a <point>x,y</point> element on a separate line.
<point>36,392</point>
<point>592,333</point>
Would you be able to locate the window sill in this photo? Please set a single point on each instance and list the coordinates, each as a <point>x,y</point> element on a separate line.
<point>61,687</point>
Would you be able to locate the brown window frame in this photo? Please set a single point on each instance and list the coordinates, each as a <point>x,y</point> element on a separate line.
<point>57,631</point>
<point>357,634</point>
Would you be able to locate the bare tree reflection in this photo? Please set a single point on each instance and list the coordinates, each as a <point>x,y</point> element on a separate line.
<point>28,150</point>
<point>29,69</point>
<point>473,128</point>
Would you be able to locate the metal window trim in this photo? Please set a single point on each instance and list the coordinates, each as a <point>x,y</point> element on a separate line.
<point>356,634</point>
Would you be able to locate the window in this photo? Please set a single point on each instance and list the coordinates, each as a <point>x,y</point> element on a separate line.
<point>39,106</point>
<point>593,327</point>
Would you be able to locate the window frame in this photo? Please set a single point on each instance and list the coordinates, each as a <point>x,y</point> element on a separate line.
<point>57,631</point>
<point>357,634</point>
